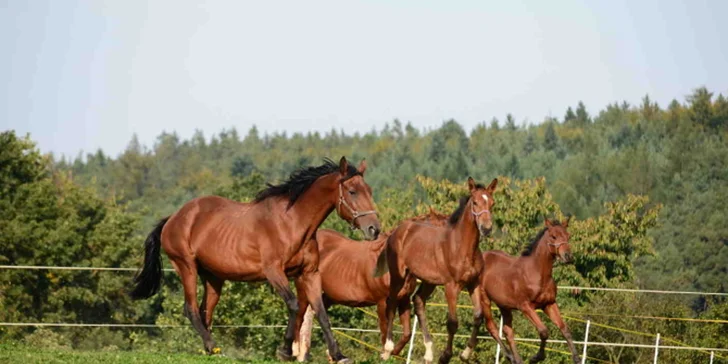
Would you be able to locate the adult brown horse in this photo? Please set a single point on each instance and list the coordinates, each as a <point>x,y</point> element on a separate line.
<point>435,255</point>
<point>525,283</point>
<point>346,267</point>
<point>220,239</point>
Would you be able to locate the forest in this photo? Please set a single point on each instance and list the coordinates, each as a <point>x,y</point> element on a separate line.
<point>646,184</point>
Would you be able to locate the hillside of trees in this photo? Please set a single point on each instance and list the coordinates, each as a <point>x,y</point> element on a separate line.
<point>647,185</point>
<point>675,155</point>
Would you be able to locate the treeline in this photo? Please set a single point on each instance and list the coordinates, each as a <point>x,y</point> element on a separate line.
<point>676,155</point>
<point>647,186</point>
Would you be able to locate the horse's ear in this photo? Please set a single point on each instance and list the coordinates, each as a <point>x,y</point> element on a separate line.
<point>547,222</point>
<point>492,185</point>
<point>471,184</point>
<point>363,166</point>
<point>343,166</point>
<point>566,222</point>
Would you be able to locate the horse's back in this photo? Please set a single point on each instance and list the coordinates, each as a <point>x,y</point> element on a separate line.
<point>346,267</point>
<point>209,228</point>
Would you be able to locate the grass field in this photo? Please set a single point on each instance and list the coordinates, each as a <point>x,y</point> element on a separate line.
<point>21,353</point>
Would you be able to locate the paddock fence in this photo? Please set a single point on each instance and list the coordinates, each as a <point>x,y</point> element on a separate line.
<point>660,342</point>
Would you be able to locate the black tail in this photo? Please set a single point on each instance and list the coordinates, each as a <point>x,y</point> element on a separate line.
<point>147,282</point>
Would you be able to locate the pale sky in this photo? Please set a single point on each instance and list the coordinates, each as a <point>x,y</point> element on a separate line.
<point>81,75</point>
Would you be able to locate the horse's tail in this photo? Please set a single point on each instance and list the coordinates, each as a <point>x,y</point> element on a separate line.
<point>382,263</point>
<point>148,280</point>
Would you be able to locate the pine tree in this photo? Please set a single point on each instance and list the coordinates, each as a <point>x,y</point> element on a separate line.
<point>551,140</point>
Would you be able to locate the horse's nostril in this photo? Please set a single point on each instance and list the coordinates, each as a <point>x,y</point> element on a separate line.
<point>373,231</point>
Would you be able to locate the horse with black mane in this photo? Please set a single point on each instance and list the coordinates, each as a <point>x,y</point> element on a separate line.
<point>268,239</point>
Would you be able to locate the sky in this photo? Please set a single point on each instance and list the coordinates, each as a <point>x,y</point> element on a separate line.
<point>82,75</point>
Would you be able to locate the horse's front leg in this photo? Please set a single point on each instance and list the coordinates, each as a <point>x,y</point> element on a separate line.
<point>552,311</point>
<point>279,281</point>
<point>476,296</point>
<point>312,285</point>
<point>451,295</point>
<point>543,332</point>
<point>302,338</point>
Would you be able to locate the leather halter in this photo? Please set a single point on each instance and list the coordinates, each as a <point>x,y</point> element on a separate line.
<point>477,213</point>
<point>354,213</point>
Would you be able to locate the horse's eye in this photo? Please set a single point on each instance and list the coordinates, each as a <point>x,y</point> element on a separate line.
<point>352,192</point>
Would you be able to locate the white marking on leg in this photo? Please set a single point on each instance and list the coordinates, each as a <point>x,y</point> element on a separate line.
<point>428,351</point>
<point>389,346</point>
<point>294,348</point>
<point>466,353</point>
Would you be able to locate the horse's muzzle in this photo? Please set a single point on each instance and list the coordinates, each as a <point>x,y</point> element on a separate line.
<point>371,232</point>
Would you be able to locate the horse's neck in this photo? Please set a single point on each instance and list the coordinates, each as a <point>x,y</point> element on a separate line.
<point>310,210</point>
<point>464,237</point>
<point>541,262</point>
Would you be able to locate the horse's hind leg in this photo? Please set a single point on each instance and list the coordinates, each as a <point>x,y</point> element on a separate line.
<point>421,296</point>
<point>404,307</point>
<point>508,331</point>
<point>188,273</point>
<point>213,289</point>
<point>475,296</point>
<point>492,329</point>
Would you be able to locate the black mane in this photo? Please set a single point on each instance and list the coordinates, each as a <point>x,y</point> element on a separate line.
<point>301,180</point>
<point>532,246</point>
<point>455,217</point>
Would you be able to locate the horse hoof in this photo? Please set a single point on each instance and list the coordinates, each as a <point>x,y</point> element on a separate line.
<point>284,355</point>
<point>384,356</point>
<point>345,360</point>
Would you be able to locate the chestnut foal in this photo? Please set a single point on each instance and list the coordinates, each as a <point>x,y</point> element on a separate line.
<point>525,283</point>
<point>446,256</point>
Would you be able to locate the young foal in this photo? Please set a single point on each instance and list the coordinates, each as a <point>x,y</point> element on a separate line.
<point>220,239</point>
<point>345,266</point>
<point>525,284</point>
<point>446,256</point>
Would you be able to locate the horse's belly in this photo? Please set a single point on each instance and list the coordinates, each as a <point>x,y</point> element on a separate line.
<point>237,265</point>
<point>350,290</point>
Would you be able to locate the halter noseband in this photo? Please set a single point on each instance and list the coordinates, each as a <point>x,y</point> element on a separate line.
<point>354,213</point>
<point>556,245</point>
<point>477,213</point>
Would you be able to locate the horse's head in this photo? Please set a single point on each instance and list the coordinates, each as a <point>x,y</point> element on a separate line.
<point>355,204</point>
<point>481,203</point>
<point>557,238</point>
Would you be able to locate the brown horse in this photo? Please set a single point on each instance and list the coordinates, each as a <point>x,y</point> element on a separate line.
<point>525,283</point>
<point>220,239</point>
<point>345,266</point>
<point>446,256</point>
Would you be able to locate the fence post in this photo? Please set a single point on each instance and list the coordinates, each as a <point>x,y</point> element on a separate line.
<point>586,340</point>
<point>412,340</point>
<point>497,346</point>
<point>657,348</point>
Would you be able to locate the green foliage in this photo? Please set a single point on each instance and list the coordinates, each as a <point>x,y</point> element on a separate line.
<point>618,171</point>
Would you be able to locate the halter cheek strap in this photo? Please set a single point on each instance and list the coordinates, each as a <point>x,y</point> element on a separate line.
<point>354,213</point>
